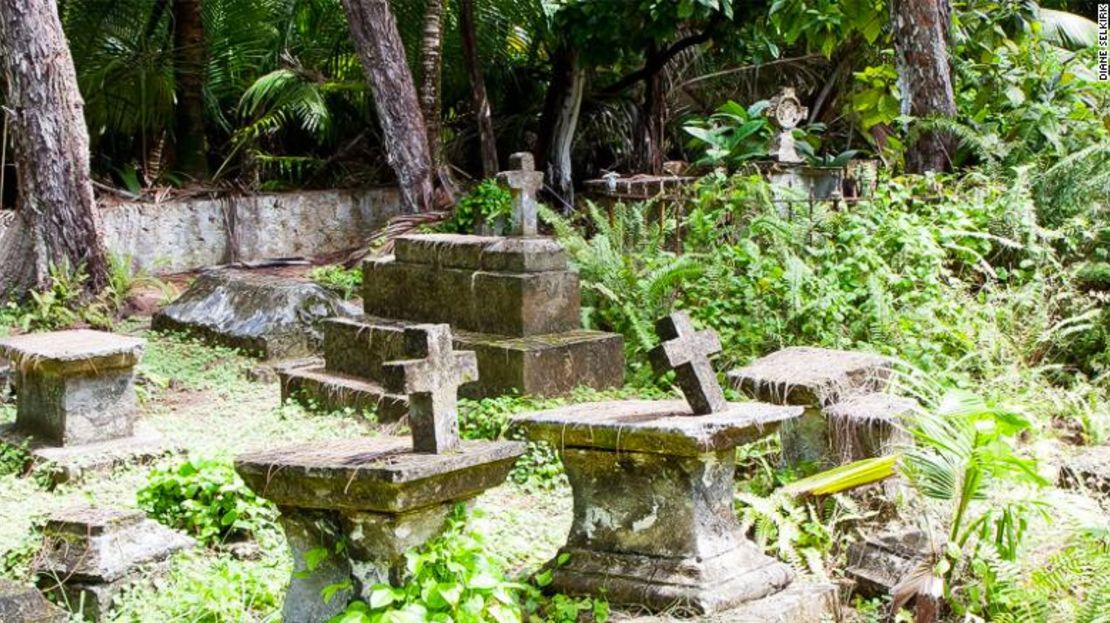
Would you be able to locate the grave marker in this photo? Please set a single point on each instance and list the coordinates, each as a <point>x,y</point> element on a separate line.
<point>524,182</point>
<point>686,350</point>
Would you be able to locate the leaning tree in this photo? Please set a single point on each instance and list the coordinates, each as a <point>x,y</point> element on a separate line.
<point>56,217</point>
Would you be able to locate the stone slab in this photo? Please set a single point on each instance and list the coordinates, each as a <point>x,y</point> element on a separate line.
<point>879,562</point>
<point>23,604</point>
<point>315,387</point>
<point>488,253</point>
<point>70,464</point>
<point>379,475</point>
<point>69,353</point>
<point>263,315</point>
<point>801,602</point>
<point>359,347</point>
<point>100,546</point>
<point>501,303</point>
<point>1089,470</point>
<point>664,427</point>
<point>812,377</point>
<point>869,425</point>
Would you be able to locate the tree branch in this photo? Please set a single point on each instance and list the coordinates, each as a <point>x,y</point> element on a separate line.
<point>657,62</point>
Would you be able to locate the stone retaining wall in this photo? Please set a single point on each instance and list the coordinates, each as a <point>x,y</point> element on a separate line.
<point>187,234</point>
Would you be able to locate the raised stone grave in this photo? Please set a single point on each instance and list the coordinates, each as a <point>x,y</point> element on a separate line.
<point>367,501</point>
<point>512,300</point>
<point>817,379</point>
<point>654,524</point>
<point>869,425</point>
<point>23,604</point>
<point>263,315</point>
<point>90,556</point>
<point>76,405</point>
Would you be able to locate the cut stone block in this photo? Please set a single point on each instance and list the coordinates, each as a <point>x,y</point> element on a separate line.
<point>317,388</point>
<point>23,604</point>
<point>90,556</point>
<point>263,315</point>
<point>364,502</point>
<point>1088,471</point>
<point>879,562</point>
<point>869,425</point>
<point>669,538</point>
<point>74,387</point>
<point>502,303</point>
<point>814,378</point>
<point>490,253</point>
<point>70,464</point>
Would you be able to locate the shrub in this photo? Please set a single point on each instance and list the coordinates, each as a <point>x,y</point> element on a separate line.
<point>205,498</point>
<point>343,281</point>
<point>488,204</point>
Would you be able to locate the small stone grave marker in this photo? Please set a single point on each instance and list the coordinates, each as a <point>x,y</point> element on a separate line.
<point>524,182</point>
<point>686,351</point>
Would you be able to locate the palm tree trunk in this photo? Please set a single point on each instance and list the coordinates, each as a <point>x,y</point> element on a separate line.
<point>560,123</point>
<point>374,31</point>
<point>431,61</point>
<point>57,219</point>
<point>189,66</point>
<point>921,44</point>
<point>478,95</point>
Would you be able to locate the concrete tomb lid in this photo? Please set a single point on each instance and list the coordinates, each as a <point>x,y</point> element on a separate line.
<point>489,253</point>
<point>377,475</point>
<point>72,352</point>
<point>875,406</point>
<point>23,604</point>
<point>661,427</point>
<point>686,351</point>
<point>812,376</point>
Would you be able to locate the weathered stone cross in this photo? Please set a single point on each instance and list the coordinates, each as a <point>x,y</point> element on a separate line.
<point>432,385</point>
<point>686,351</point>
<point>524,183</point>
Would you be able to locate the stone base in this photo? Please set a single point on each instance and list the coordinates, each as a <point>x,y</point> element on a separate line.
<point>880,562</point>
<point>92,601</point>
<point>316,388</point>
<point>543,365</point>
<point>801,602</point>
<point>71,464</point>
<point>687,585</point>
<point>22,604</point>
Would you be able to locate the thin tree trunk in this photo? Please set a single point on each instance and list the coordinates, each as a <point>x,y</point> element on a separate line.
<point>479,97</point>
<point>431,86</point>
<point>374,31</point>
<point>559,125</point>
<point>57,220</point>
<point>652,123</point>
<point>925,77</point>
<point>189,66</point>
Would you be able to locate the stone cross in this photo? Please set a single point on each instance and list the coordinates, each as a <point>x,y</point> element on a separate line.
<point>432,385</point>
<point>686,351</point>
<point>524,183</point>
<point>788,112</point>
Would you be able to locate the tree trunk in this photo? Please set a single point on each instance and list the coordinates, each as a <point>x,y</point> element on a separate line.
<point>374,31</point>
<point>925,77</point>
<point>479,99</point>
<point>653,118</point>
<point>559,125</point>
<point>189,67</point>
<point>57,220</point>
<point>431,62</point>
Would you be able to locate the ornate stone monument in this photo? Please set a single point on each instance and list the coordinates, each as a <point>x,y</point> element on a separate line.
<point>76,401</point>
<point>363,503</point>
<point>511,300</point>
<point>787,111</point>
<point>788,169</point>
<point>653,486</point>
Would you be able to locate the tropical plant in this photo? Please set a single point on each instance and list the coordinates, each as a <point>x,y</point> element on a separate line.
<point>733,135</point>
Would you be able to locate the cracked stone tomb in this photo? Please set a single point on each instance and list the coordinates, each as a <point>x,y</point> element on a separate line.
<point>352,508</point>
<point>849,415</point>
<point>512,300</point>
<point>653,483</point>
<point>75,401</point>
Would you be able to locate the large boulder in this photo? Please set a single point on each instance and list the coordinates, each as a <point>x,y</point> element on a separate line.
<point>263,315</point>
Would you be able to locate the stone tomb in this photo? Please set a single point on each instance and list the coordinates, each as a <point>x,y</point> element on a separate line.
<point>367,501</point>
<point>90,556</point>
<point>654,524</point>
<point>847,417</point>
<point>76,402</point>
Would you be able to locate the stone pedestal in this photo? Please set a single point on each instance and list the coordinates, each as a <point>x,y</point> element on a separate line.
<point>364,502</point>
<point>90,556</point>
<point>76,400</point>
<point>654,523</point>
<point>816,379</point>
<point>23,604</point>
<point>881,561</point>
<point>869,425</point>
